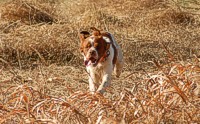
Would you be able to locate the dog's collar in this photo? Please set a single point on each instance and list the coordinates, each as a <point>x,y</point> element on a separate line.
<point>106,54</point>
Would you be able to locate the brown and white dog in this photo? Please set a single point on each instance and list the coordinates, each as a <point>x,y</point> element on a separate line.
<point>101,54</point>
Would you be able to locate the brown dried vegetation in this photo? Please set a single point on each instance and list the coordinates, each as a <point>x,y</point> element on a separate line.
<point>42,79</point>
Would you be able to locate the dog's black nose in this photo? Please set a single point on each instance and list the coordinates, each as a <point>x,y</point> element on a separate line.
<point>92,52</point>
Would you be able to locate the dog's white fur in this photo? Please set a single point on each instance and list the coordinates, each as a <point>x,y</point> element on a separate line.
<point>102,72</point>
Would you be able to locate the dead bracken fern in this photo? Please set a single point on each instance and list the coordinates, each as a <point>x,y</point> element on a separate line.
<point>170,95</point>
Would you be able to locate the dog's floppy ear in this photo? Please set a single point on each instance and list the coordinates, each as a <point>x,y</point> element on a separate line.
<point>83,35</point>
<point>96,32</point>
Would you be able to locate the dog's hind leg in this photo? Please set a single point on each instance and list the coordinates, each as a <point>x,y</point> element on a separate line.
<point>119,63</point>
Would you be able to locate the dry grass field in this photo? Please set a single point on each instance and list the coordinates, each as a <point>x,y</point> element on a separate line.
<point>43,79</point>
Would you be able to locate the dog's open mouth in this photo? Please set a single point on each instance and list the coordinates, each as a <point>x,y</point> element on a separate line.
<point>91,61</point>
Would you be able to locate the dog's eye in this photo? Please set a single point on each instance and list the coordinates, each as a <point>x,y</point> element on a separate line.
<point>88,46</point>
<point>96,45</point>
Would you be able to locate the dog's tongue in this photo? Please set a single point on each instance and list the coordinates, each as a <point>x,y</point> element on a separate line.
<point>87,62</point>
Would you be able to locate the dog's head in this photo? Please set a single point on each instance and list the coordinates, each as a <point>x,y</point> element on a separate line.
<point>93,46</point>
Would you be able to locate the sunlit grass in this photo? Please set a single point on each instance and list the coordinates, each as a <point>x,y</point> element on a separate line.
<point>42,79</point>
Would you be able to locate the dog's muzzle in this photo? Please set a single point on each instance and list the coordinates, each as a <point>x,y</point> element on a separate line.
<point>90,61</point>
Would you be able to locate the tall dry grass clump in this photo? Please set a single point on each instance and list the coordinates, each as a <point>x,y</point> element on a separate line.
<point>28,12</point>
<point>30,35</point>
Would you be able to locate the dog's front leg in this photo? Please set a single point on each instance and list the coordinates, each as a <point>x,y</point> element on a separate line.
<point>105,83</point>
<point>91,85</point>
<point>92,79</point>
